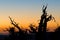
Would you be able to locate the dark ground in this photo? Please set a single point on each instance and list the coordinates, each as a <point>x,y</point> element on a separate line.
<point>49,36</point>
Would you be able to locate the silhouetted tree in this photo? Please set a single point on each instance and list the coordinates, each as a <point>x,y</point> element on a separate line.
<point>21,34</point>
<point>44,19</point>
<point>43,24</point>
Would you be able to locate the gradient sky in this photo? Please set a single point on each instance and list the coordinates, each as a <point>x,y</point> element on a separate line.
<point>27,11</point>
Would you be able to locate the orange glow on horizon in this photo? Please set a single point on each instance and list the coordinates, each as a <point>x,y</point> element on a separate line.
<point>25,23</point>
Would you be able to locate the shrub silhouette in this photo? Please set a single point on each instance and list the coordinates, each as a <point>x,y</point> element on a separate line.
<point>32,28</point>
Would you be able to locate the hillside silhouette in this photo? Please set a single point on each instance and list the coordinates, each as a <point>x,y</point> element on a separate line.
<point>32,33</point>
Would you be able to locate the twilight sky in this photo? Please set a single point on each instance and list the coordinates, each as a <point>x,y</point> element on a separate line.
<point>27,11</point>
